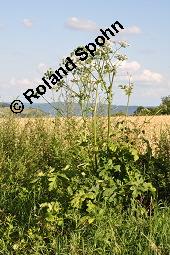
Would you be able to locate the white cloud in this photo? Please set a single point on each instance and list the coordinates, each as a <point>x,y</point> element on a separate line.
<point>145,75</point>
<point>151,92</point>
<point>80,24</point>
<point>132,30</point>
<point>24,82</point>
<point>36,82</point>
<point>27,23</point>
<point>88,25</point>
<point>21,82</point>
<point>149,76</point>
<point>42,68</point>
<point>132,66</point>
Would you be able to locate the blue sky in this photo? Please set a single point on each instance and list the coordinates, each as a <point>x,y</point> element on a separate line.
<point>35,35</point>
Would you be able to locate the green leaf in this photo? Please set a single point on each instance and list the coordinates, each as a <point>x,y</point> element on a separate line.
<point>135,154</point>
<point>52,183</point>
<point>117,168</point>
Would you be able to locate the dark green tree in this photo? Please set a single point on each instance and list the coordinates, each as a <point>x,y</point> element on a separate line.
<point>165,105</point>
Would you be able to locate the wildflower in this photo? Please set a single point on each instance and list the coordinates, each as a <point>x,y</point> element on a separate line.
<point>121,57</point>
<point>123,44</point>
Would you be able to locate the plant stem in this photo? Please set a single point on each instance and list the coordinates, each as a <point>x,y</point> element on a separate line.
<point>109,114</point>
<point>95,126</point>
<point>109,98</point>
<point>127,107</point>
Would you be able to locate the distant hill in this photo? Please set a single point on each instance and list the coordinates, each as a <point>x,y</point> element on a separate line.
<point>6,111</point>
<point>32,112</point>
<point>4,104</point>
<point>46,109</point>
<point>57,107</point>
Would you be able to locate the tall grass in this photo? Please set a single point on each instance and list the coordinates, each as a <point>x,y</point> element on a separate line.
<point>53,200</point>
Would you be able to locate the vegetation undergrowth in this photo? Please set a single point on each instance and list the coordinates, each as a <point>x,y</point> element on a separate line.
<point>54,201</point>
<point>84,187</point>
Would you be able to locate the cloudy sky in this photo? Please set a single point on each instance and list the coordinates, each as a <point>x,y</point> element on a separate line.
<point>35,35</point>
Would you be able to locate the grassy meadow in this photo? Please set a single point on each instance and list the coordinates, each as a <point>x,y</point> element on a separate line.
<point>88,185</point>
<point>84,128</point>
<point>68,190</point>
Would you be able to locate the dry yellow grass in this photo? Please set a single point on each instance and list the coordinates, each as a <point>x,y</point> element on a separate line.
<point>155,122</point>
<point>152,125</point>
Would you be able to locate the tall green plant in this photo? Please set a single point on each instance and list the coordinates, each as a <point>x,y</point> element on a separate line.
<point>94,78</point>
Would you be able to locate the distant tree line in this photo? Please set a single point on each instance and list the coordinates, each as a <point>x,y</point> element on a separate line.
<point>162,109</point>
<point>4,105</point>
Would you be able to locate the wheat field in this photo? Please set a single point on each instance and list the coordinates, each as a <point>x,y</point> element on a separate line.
<point>152,126</point>
<point>62,194</point>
